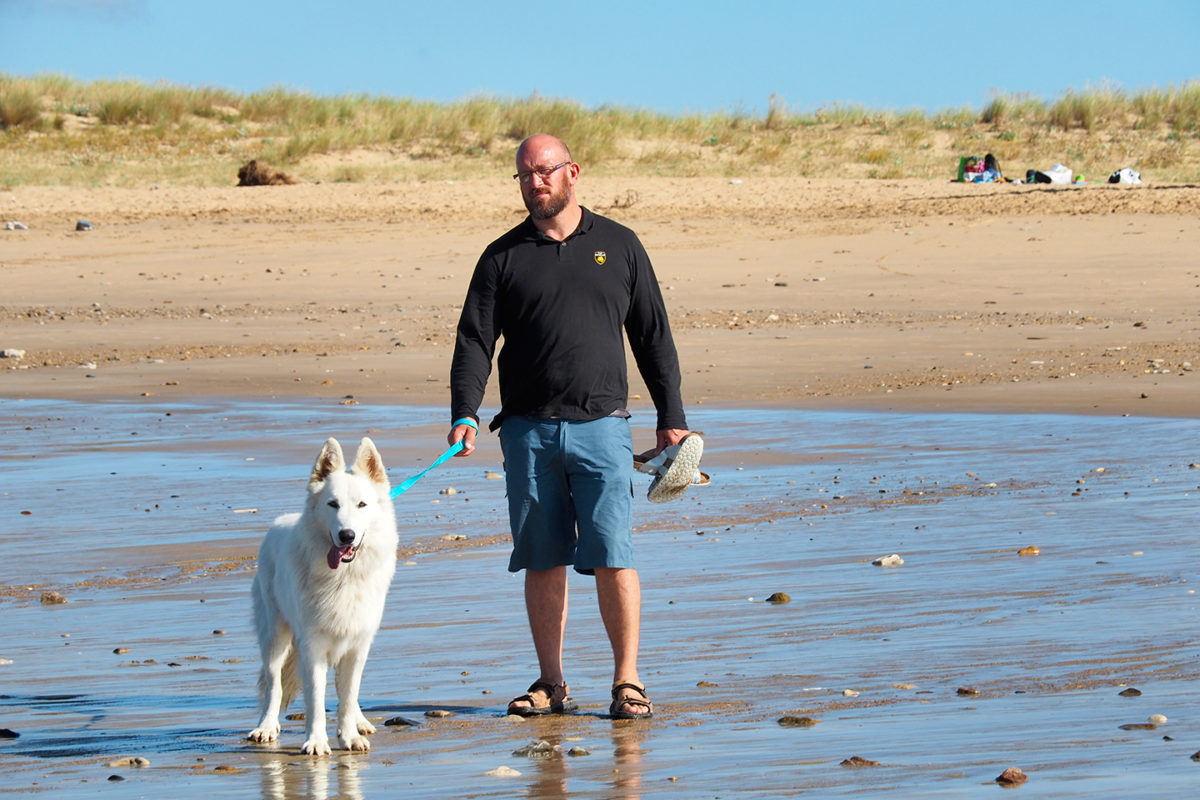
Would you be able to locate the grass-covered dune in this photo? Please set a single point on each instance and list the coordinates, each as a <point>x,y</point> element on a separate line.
<point>58,131</point>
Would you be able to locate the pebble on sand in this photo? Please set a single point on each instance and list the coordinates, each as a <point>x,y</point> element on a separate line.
<point>779,597</point>
<point>449,490</point>
<point>1138,726</point>
<point>797,722</point>
<point>967,690</point>
<point>1196,756</point>
<point>9,733</point>
<point>1130,692</point>
<point>849,693</point>
<point>130,761</point>
<point>859,761</point>
<point>1157,719</point>
<point>1032,550</point>
<point>894,560</point>
<point>503,772</point>
<point>437,713</point>
<point>52,598</point>
<point>538,749</point>
<point>1013,776</point>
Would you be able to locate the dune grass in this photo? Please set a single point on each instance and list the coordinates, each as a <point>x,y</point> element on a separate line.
<point>57,131</point>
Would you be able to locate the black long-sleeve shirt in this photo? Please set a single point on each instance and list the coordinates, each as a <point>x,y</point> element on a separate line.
<point>561,308</point>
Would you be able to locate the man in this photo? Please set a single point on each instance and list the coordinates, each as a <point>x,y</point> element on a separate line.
<point>560,287</point>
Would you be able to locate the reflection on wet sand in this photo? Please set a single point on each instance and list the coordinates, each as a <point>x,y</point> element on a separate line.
<point>303,778</point>
<point>627,736</point>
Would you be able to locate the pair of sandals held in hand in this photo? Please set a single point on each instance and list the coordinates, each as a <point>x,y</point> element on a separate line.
<point>674,469</point>
<point>560,701</point>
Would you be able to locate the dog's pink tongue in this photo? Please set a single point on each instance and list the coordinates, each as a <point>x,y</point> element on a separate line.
<point>335,555</point>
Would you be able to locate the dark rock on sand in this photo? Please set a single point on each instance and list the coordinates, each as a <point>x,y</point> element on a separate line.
<point>8,733</point>
<point>1013,776</point>
<point>966,690</point>
<point>1138,726</point>
<point>779,597</point>
<point>52,598</point>
<point>401,722</point>
<point>859,761</point>
<point>1196,756</point>
<point>797,722</point>
<point>1130,692</point>
<point>255,174</point>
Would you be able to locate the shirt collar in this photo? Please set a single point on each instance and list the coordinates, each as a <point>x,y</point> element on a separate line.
<point>586,221</point>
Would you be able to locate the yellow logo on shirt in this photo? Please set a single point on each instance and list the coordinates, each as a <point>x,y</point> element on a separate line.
<point>600,257</point>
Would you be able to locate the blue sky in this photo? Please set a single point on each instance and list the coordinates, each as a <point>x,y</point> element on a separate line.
<point>670,56</point>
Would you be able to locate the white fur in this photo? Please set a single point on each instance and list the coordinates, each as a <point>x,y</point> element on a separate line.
<point>311,617</point>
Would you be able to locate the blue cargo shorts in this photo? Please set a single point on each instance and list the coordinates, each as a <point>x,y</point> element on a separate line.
<point>570,492</point>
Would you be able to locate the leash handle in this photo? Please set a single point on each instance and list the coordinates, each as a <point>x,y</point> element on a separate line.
<point>451,451</point>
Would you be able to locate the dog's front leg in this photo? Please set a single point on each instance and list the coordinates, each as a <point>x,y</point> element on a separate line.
<point>313,671</point>
<point>353,727</point>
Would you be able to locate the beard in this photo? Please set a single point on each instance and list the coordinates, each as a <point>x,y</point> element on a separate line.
<point>550,205</point>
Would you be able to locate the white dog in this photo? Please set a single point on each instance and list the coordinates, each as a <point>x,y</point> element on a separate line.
<point>322,579</point>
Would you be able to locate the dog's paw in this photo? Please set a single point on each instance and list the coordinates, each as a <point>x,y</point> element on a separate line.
<point>264,734</point>
<point>364,727</point>
<point>359,743</point>
<point>316,746</point>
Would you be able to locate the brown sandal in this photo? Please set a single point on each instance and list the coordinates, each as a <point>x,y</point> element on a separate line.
<point>617,712</point>
<point>560,702</point>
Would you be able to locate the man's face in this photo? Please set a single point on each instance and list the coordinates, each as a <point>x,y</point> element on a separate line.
<point>546,197</point>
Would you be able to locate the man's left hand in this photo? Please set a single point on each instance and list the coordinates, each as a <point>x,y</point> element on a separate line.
<point>667,437</point>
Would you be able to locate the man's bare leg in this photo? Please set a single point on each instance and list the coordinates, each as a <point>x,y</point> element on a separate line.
<point>546,606</point>
<point>620,595</point>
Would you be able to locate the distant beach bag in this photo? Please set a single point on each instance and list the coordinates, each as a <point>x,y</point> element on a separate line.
<point>1056,174</point>
<point>1125,175</point>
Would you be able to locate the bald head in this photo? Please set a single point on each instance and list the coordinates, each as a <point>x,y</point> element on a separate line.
<point>544,148</point>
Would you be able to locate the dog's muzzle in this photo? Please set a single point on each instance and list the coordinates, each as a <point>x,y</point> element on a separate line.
<point>342,553</point>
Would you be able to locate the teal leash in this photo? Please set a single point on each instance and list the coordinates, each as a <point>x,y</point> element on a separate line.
<point>452,451</point>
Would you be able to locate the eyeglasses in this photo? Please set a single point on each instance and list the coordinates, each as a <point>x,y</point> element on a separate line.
<point>542,172</point>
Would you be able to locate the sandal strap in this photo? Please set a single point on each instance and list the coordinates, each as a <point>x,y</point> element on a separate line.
<point>554,693</point>
<point>616,691</point>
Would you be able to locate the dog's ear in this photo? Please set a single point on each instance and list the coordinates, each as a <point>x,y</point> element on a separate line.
<point>330,461</point>
<point>369,462</point>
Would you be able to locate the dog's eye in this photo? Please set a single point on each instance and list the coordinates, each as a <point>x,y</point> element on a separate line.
<point>362,504</point>
<point>334,504</point>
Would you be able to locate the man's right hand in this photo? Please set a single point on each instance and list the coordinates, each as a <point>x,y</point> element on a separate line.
<point>466,434</point>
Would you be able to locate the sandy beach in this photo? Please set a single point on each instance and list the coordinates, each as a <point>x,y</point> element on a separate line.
<point>874,294</point>
<point>949,373</point>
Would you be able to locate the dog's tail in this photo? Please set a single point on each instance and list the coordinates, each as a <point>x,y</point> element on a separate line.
<point>290,679</point>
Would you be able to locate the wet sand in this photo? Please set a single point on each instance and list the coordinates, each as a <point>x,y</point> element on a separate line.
<point>145,516</point>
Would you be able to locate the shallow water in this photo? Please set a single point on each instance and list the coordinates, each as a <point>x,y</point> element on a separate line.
<point>146,517</point>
